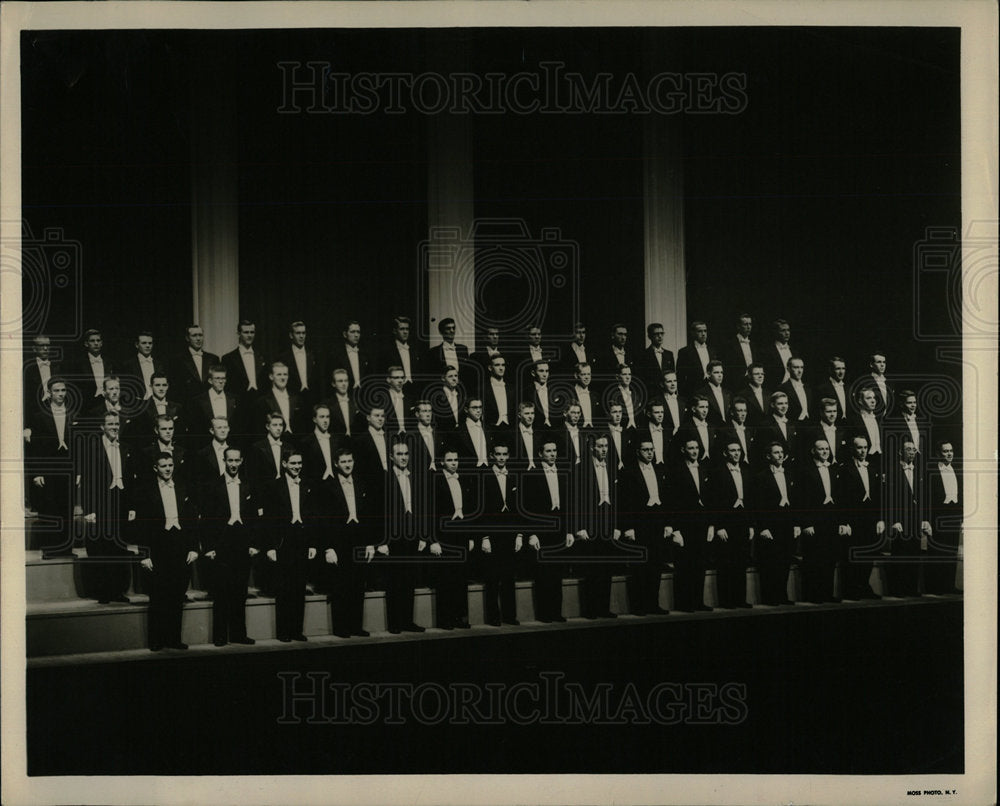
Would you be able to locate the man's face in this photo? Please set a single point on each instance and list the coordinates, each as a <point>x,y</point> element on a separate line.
<point>500,456</point>
<point>716,375</point>
<point>234,461</point>
<point>321,419</point>
<point>58,392</point>
<point>838,370</point>
<point>859,448</point>
<point>599,450</point>
<point>475,410</point>
<point>159,387</point>
<point>279,377</point>
<point>757,376</point>
<point>701,334</point>
<point>910,404</point>
<point>656,415</point>
<point>492,337</point>
<point>549,453</point>
<point>111,427</point>
<point>94,344</point>
<point>745,326</point>
<point>293,465</point>
<point>878,364</point>
<point>400,456</point>
<point>909,452</point>
<point>113,391</point>
<point>345,464</point>
<point>298,335</point>
<point>396,380</point>
<point>402,331</point>
<point>144,345</point>
<point>670,382</point>
<point>625,376</point>
<point>165,469</point>
<point>527,416</point>
<point>645,452</point>
<point>734,453</point>
<point>781,406</point>
<point>41,346</point>
<point>784,333</point>
<point>868,400</point>
<point>701,409</point>
<point>616,414</point>
<point>534,336</point>
<point>247,333</point>
<point>451,379</point>
<point>573,415</point>
<point>425,414</point>
<point>620,336</point>
<point>353,334</point>
<point>275,428</point>
<point>220,430</point>
<point>947,453</point>
<point>795,369</point>
<point>739,413</point>
<point>217,380</point>
<point>580,335</point>
<point>195,337</point>
<point>341,383</point>
<point>776,455</point>
<point>542,373</point>
<point>821,450</point>
<point>165,432</point>
<point>451,462</point>
<point>691,450</point>
<point>498,366</point>
<point>829,415</point>
<point>583,376</point>
<point>376,418</point>
<point>448,332</point>
<point>656,337</point>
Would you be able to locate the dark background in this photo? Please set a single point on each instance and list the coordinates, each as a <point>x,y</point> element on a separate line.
<point>808,205</point>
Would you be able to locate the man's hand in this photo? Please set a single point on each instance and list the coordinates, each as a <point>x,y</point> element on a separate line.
<point>38,481</point>
<point>90,517</point>
<point>809,531</point>
<point>436,549</point>
<point>582,535</point>
<point>487,546</point>
<point>421,545</point>
<point>369,553</point>
<point>382,549</point>
<point>616,534</point>
<point>766,534</point>
<point>253,552</point>
<point>330,556</point>
<point>880,528</point>
<point>518,543</point>
<point>569,541</point>
<point>210,554</point>
<point>192,556</point>
<point>311,554</point>
<point>147,564</point>
<point>925,527</point>
<point>272,555</point>
<point>534,542</point>
<point>678,539</point>
<point>630,534</point>
<point>722,534</point>
<point>897,528</point>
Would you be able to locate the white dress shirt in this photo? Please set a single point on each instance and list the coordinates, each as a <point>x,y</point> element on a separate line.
<point>347,485</point>
<point>745,348</point>
<point>403,476</point>
<point>779,478</point>
<point>785,351</point>
<point>950,482</point>
<point>169,499</point>
<point>147,369</point>
<point>220,452</point>
<point>552,480</point>
<point>323,439</point>
<point>737,474</point>
<point>652,487</point>
<point>233,494</point>
<point>455,488</point>
<point>583,398</point>
<point>249,366</point>
<point>59,417</point>
<point>499,389</point>
<point>217,400</point>
<point>284,406</point>
<point>427,434</point>
<point>478,436</point>
<point>603,485</point>
<point>113,451</point>
<point>294,496</point>
<point>674,408</point>
<point>800,393</point>
<point>354,362</point>
<point>301,365</point>
<point>275,445</point>
<point>378,437</point>
<point>403,350</point>
<point>97,369</point>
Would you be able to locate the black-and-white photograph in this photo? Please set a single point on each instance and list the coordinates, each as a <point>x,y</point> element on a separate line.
<point>466,398</point>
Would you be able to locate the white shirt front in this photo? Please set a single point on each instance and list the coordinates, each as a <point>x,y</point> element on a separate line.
<point>583,397</point>
<point>378,437</point>
<point>528,436</point>
<point>427,434</point>
<point>97,369</point>
<point>169,499</point>
<point>455,488</point>
<point>779,478</point>
<point>323,439</point>
<point>552,480</point>
<point>478,437</point>
<point>113,451</point>
<point>950,482</point>
<point>59,417</point>
<point>701,350</point>
<point>404,359</point>
<point>249,366</point>
<point>542,393</point>
<point>220,450</point>
<point>217,400</point>
<point>652,488</point>
<point>745,348</point>
<point>233,494</point>
<point>347,485</point>
<point>871,427</point>
<point>737,475</point>
<point>294,496</point>
<point>674,408</point>
<point>301,365</point>
<point>284,406</point>
<point>354,363</point>
<point>785,352</point>
<point>603,486</point>
<point>800,393</point>
<point>146,368</point>
<point>500,396</point>
<point>396,398</point>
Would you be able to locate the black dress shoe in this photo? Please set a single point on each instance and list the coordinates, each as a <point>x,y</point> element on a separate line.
<point>464,625</point>
<point>122,599</point>
<point>342,634</point>
<point>411,627</point>
<point>543,620</point>
<point>446,626</point>
<point>284,639</point>
<point>659,611</point>
<point>220,643</point>
<point>363,634</point>
<point>245,640</point>
<point>703,609</point>
<point>559,619</point>
<point>299,637</point>
<point>834,600</point>
<point>637,612</point>
<point>494,622</point>
<point>104,601</point>
<point>513,622</point>
<point>609,614</point>
<point>745,606</point>
<point>155,647</point>
<point>394,631</point>
<point>786,602</point>
<point>181,645</point>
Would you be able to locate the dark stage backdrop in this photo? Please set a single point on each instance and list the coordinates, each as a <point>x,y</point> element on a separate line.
<point>809,204</point>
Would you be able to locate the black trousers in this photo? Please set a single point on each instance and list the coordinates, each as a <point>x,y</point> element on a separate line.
<point>290,570</point>
<point>168,583</point>
<point>941,562</point>
<point>231,571</point>
<point>53,531</point>
<point>449,576</point>
<point>499,600</point>
<point>731,558</point>
<point>689,567</point>
<point>773,559</point>
<point>345,590</point>
<point>903,566</point>
<point>550,566</point>
<point>857,553</point>
<point>108,570</point>
<point>819,559</point>
<point>401,569</point>
<point>645,570</point>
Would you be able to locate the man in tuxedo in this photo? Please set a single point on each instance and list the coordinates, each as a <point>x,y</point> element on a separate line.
<point>405,515</point>
<point>779,427</point>
<point>189,369</point>
<point>756,395</point>
<point>655,359</point>
<point>427,443</point>
<point>944,499</point>
<point>571,437</point>
<point>472,439</point>
<point>448,353</point>
<point>401,352</point>
<point>718,398</point>
<point>265,455</point>
<point>477,369</point>
<point>738,351</point>
<point>835,388</point>
<point>656,433</point>
<point>50,465</point>
<point>143,365</point>
<point>157,405</point>
<point>673,404</point>
<point>349,546</point>
<point>618,352</point>
<point>693,359</point>
<point>501,539</point>
<point>169,533</point>
<point>867,422</point>
<point>910,529</point>
<point>736,430</point>
<point>448,399</point>
<point>546,402</point>
<point>775,496</point>
<point>107,477</point>
<point>632,398</point>
<point>643,515</point>
<point>523,438</point>
<point>455,506</point>
<point>834,430</point>
<point>800,397</point>
<point>345,414</point>
<point>319,448</point>
<point>576,353</point>
<point>37,371</point>
<point>696,428</point>
<point>822,522</point>
<point>591,409</point>
<point>525,359</point>
<point>304,375</point>
<point>90,369</point>
<point>278,398</point>
<point>210,460</point>
<point>350,355</point>
<point>731,506</point>
<point>398,403</point>
<point>910,422</point>
<point>876,380</point>
<point>690,490</point>
<point>214,403</point>
<point>861,503</point>
<point>372,450</point>
<point>246,370</point>
<point>498,396</point>
<point>546,502</point>
<point>110,401</point>
<point>778,353</point>
<point>231,513</point>
<point>164,441</point>
<point>621,440</point>
<point>290,513</point>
